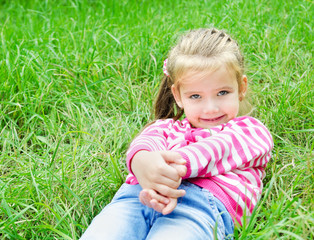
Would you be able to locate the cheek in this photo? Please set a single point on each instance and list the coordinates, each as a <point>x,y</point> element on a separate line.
<point>191,109</point>
<point>234,108</point>
<point>232,105</point>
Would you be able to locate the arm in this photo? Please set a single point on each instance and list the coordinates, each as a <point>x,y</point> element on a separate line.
<point>156,171</point>
<point>151,139</point>
<point>242,143</point>
<point>148,161</point>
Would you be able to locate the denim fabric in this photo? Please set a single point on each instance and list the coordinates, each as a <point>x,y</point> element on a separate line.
<point>198,215</point>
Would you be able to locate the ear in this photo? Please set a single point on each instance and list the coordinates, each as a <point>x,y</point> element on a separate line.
<point>176,94</point>
<point>243,88</point>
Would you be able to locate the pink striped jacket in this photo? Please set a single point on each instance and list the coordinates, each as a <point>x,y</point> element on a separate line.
<point>228,160</point>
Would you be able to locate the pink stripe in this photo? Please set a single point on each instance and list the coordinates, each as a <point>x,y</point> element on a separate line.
<point>268,139</point>
<point>247,185</point>
<point>219,164</point>
<point>199,165</point>
<point>254,174</point>
<point>259,133</point>
<point>237,191</point>
<point>236,145</point>
<point>188,164</point>
<point>208,156</point>
<point>258,123</point>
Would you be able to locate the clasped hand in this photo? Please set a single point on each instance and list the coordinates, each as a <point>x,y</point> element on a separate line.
<point>159,174</point>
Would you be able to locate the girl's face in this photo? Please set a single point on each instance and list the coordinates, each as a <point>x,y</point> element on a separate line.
<point>209,98</point>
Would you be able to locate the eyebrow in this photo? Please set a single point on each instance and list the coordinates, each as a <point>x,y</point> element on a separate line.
<point>217,89</point>
<point>192,92</point>
<point>225,87</point>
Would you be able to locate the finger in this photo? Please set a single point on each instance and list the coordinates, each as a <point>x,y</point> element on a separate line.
<point>170,207</point>
<point>173,157</point>
<point>181,170</point>
<point>164,180</point>
<point>146,195</point>
<point>157,206</point>
<point>169,172</point>
<point>145,198</point>
<point>170,192</point>
<point>158,197</point>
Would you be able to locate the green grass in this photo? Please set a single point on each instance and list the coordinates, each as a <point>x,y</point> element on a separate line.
<point>77,82</point>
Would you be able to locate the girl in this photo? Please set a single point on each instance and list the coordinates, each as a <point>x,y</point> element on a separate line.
<point>192,178</point>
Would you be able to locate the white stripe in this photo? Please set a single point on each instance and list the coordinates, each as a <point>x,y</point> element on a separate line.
<point>235,156</point>
<point>193,163</point>
<point>201,160</point>
<point>252,128</point>
<point>248,175</point>
<point>235,195</point>
<point>245,191</point>
<point>211,152</point>
<point>257,149</point>
<point>243,140</point>
<point>223,154</point>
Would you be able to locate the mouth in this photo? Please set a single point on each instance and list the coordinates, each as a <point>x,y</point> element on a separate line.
<point>212,120</point>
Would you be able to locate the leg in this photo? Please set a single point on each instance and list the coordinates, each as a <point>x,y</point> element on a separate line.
<point>125,218</point>
<point>196,216</point>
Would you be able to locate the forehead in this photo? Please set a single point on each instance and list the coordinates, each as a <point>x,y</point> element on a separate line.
<point>207,78</point>
<point>179,65</point>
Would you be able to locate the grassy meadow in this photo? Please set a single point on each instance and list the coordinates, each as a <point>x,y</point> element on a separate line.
<point>77,83</point>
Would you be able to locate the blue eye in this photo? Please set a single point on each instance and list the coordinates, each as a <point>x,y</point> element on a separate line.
<point>221,93</point>
<point>195,96</point>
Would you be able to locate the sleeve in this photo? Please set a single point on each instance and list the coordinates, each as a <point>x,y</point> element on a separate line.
<point>242,144</point>
<point>152,138</point>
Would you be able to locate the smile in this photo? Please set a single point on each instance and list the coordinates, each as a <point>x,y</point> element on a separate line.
<point>217,119</point>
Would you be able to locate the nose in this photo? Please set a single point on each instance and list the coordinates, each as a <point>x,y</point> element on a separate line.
<point>210,107</point>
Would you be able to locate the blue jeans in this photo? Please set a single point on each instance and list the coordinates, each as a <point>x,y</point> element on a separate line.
<point>198,215</point>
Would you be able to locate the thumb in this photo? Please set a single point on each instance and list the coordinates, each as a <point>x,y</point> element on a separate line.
<point>181,169</point>
<point>173,157</point>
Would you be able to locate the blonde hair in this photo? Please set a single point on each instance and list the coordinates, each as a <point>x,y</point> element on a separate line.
<point>198,50</point>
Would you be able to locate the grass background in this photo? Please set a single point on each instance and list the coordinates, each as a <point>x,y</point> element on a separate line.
<point>77,82</point>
